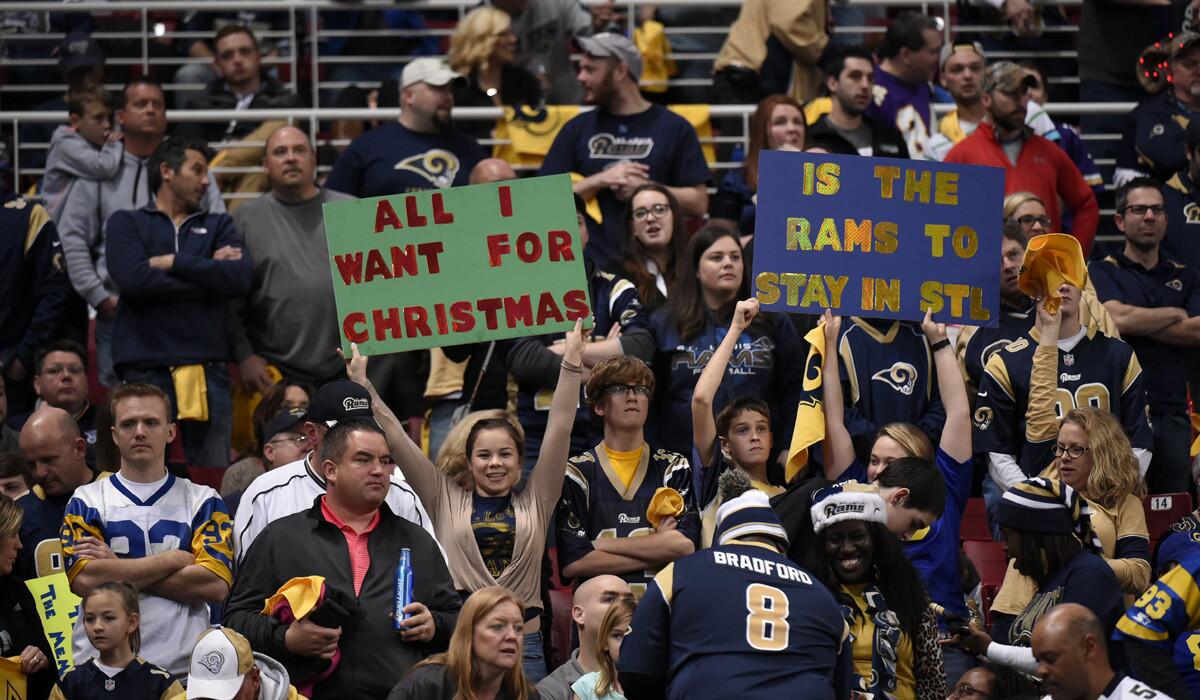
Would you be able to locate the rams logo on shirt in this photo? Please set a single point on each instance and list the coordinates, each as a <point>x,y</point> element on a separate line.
<point>983,417</point>
<point>901,376</point>
<point>437,166</point>
<point>1176,285</point>
<point>1191,212</point>
<point>605,145</point>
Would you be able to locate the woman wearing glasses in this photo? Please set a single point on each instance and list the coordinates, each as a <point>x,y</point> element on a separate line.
<point>1028,210</point>
<point>768,361</point>
<point>1092,455</point>
<point>655,244</point>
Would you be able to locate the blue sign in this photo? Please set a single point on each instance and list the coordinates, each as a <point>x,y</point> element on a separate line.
<point>878,237</point>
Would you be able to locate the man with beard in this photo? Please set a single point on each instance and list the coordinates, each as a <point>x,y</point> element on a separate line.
<point>1155,302</point>
<point>83,224</point>
<point>1153,140</point>
<point>422,151</point>
<point>850,76</point>
<point>624,142</point>
<point>1030,162</point>
<point>963,64</point>
<point>175,265</point>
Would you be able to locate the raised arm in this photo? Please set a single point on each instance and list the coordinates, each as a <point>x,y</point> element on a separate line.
<point>418,471</point>
<point>839,446</point>
<point>552,460</point>
<point>704,425</point>
<point>956,431</point>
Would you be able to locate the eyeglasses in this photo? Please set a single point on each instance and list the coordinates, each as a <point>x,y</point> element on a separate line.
<point>1076,451</point>
<point>1029,220</point>
<point>659,211</point>
<point>298,440</point>
<point>626,389</point>
<point>1141,209</point>
<point>965,690</point>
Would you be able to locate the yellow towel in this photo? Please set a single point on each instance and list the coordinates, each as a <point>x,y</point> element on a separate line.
<point>652,43</point>
<point>593,204</point>
<point>531,131</point>
<point>244,403</point>
<point>666,502</point>
<point>817,108</point>
<point>302,594</point>
<point>191,392</point>
<point>701,120</point>
<point>12,678</point>
<point>809,428</point>
<point>1050,260</point>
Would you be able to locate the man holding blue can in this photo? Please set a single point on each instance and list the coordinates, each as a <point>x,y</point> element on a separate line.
<point>333,629</point>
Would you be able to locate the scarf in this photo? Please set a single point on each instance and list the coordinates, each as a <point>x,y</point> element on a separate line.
<point>884,647</point>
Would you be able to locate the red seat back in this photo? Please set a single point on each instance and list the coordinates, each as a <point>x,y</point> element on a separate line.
<point>989,560</point>
<point>975,523</point>
<point>1163,509</point>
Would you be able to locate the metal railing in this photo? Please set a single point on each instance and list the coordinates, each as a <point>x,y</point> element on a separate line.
<point>305,30</point>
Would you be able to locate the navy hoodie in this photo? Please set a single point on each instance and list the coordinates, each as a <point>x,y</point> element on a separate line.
<point>177,316</point>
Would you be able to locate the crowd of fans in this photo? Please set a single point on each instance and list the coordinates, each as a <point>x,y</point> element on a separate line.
<point>642,462</point>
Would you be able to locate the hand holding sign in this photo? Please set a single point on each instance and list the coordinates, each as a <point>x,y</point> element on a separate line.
<point>934,332</point>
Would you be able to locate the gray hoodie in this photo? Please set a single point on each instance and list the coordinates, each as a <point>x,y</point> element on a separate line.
<point>86,212</point>
<point>70,158</point>
<point>276,683</point>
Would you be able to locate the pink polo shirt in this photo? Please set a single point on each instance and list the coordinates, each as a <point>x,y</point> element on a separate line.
<point>356,542</point>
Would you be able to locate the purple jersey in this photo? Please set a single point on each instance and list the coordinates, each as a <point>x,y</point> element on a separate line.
<point>908,107</point>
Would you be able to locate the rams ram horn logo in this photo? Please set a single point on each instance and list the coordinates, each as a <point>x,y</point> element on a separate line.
<point>438,166</point>
<point>351,403</point>
<point>901,376</point>
<point>213,661</point>
<point>1191,213</point>
<point>983,417</point>
<point>992,349</point>
<point>1176,285</point>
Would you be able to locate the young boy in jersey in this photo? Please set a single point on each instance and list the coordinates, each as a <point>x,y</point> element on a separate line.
<point>167,536</point>
<point>782,636</point>
<point>740,436</point>
<point>603,523</point>
<point>87,148</point>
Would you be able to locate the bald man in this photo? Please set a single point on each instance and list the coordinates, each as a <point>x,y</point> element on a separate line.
<point>52,443</point>
<point>492,170</point>
<point>591,601</point>
<point>288,319</point>
<point>1070,646</point>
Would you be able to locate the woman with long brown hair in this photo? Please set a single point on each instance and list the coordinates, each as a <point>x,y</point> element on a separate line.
<point>778,123</point>
<point>484,658</point>
<point>655,244</point>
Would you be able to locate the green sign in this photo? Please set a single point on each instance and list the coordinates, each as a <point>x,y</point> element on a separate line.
<point>459,265</point>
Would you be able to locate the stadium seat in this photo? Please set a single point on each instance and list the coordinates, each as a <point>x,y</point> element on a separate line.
<point>560,630</point>
<point>991,563</point>
<point>1162,510</point>
<point>975,522</point>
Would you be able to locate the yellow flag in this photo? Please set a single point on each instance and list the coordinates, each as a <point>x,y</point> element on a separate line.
<point>12,680</point>
<point>810,413</point>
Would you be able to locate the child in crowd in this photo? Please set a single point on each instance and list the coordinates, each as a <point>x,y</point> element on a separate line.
<point>602,684</point>
<point>111,619</point>
<point>739,436</point>
<point>87,149</point>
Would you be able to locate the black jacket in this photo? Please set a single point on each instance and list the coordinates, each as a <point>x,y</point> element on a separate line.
<point>271,95</point>
<point>373,658</point>
<point>20,627</point>
<point>433,682</point>
<point>886,141</point>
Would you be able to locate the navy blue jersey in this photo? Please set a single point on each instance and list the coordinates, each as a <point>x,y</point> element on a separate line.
<point>1087,580</point>
<point>596,140</point>
<point>614,301</point>
<point>1153,138</point>
<point>1181,197</point>
<point>33,283</point>
<point>41,523</point>
<point>738,621</point>
<point>391,159</point>
<point>1167,617</point>
<point>887,376</point>
<point>595,504</point>
<point>1099,371</point>
<point>975,345</point>
<point>767,362</point>
<point>140,680</point>
<point>1165,366</point>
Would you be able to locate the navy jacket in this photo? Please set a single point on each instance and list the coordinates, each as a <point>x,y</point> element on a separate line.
<point>33,288</point>
<point>176,316</point>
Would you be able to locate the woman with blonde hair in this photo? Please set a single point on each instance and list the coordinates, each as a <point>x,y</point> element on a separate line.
<point>602,684</point>
<point>1090,453</point>
<point>484,658</point>
<point>21,635</point>
<point>452,456</point>
<point>1028,210</point>
<point>483,49</point>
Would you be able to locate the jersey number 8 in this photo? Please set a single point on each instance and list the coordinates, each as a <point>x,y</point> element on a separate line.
<point>766,619</point>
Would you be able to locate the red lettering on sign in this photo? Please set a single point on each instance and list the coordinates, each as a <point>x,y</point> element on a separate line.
<point>350,327</point>
<point>518,310</point>
<point>431,251</point>
<point>350,267</point>
<point>404,262</point>
<point>505,201</point>
<point>464,320</point>
<point>414,217</point>
<point>386,323</point>
<point>385,216</point>
<point>440,215</point>
<point>498,247</point>
<point>376,267</point>
<point>576,303</point>
<point>529,247</point>
<point>548,308</point>
<point>560,246</point>
<point>489,307</point>
<point>416,322</point>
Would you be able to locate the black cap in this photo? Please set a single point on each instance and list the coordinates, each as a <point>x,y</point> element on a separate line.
<point>340,400</point>
<point>285,422</point>
<point>79,50</point>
